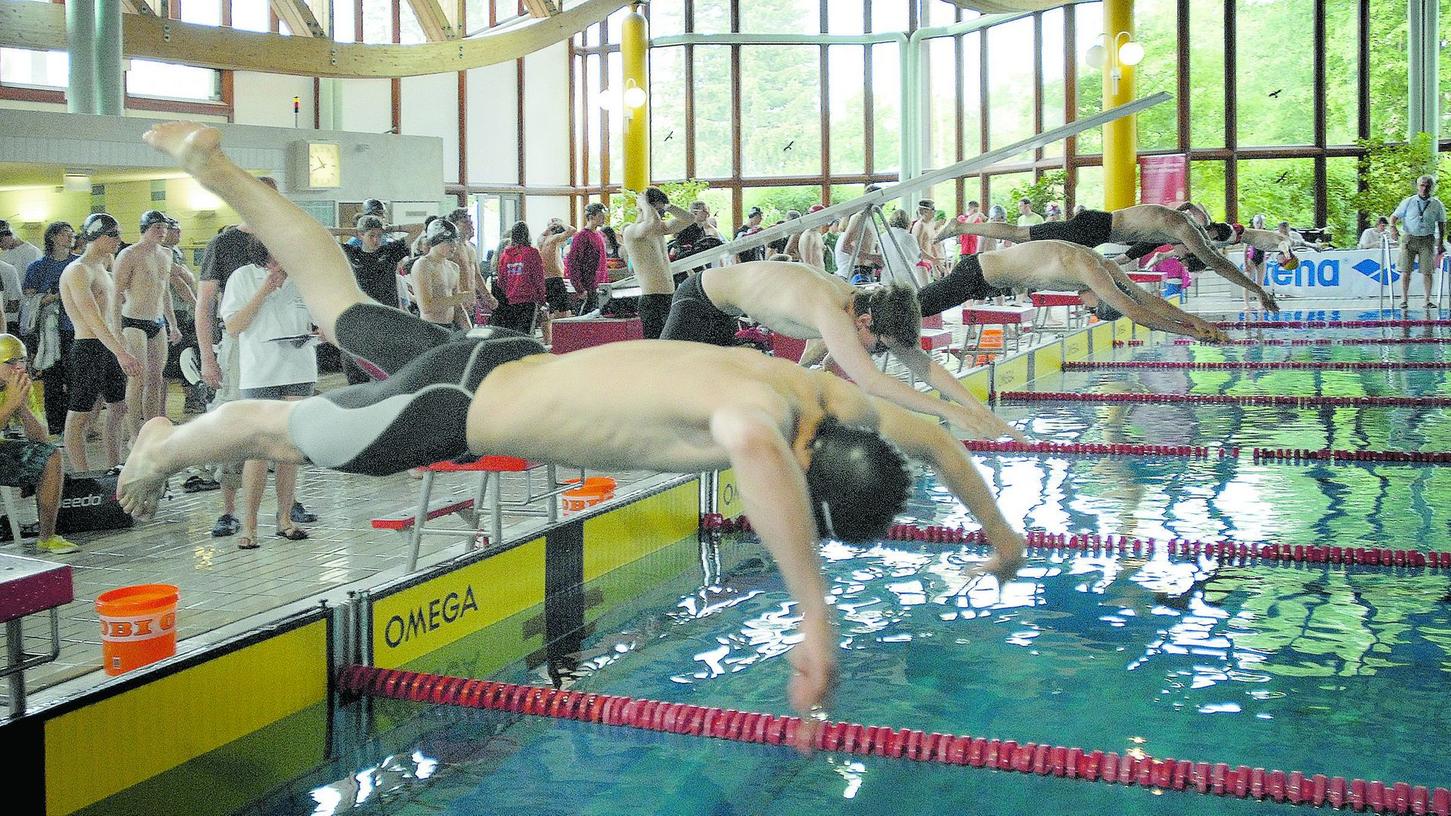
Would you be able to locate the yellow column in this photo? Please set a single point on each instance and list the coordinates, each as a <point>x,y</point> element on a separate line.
<point>1119,156</point>
<point>634,45</point>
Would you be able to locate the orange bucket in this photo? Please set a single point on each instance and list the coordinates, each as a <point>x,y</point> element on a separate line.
<point>138,626</point>
<point>579,498</point>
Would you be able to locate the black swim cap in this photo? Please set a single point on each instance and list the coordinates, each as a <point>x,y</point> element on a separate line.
<point>1106,313</point>
<point>151,217</point>
<point>857,482</point>
<point>1220,231</point>
<point>440,230</point>
<point>656,197</point>
<point>372,206</point>
<point>98,224</point>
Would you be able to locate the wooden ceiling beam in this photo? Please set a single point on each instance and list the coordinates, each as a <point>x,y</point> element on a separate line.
<point>299,18</point>
<point>436,25</point>
<point>541,8</point>
<point>41,26</point>
<point>141,7</point>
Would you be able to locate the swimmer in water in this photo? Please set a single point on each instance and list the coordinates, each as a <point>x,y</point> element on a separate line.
<point>812,454</point>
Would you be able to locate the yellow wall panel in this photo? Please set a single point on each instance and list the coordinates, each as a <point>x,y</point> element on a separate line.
<point>110,745</point>
<point>633,531</point>
<point>1047,360</point>
<point>1123,329</point>
<point>1011,374</point>
<point>977,384</point>
<point>426,617</point>
<point>728,495</point>
<point>1102,338</point>
<point>1075,346</point>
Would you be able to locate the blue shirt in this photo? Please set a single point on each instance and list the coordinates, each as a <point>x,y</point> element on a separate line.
<point>1421,215</point>
<point>43,276</point>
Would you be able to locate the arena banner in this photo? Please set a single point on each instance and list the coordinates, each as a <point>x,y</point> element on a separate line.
<point>1164,179</point>
<point>1349,273</point>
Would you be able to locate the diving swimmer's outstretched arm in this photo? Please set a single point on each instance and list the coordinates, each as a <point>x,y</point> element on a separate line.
<point>773,489</point>
<point>928,370</point>
<point>927,442</point>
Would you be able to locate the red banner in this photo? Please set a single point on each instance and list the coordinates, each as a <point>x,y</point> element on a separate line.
<point>1164,179</point>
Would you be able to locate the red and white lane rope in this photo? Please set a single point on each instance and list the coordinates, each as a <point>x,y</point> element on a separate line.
<point>1112,449</point>
<point>1044,544</point>
<point>1291,400</point>
<point>1264,365</point>
<point>1328,324</point>
<point>1300,341</point>
<point>1043,759</point>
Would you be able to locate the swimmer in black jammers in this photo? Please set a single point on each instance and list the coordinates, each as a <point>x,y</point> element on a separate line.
<point>813,455</point>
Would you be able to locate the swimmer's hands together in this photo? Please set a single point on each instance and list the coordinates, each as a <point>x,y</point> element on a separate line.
<point>813,677</point>
<point>17,389</point>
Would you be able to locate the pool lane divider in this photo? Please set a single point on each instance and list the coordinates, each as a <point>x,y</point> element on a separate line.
<point>1328,324</point>
<point>1264,365</point>
<point>1299,341</point>
<point>1042,543</point>
<point>1041,759</point>
<point>1293,401</point>
<point>1112,449</point>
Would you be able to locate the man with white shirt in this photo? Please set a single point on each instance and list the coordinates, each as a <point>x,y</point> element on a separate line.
<point>15,257</point>
<point>1371,238</point>
<point>1424,236</point>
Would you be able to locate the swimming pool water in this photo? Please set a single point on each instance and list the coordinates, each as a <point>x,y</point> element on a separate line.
<point>1339,671</point>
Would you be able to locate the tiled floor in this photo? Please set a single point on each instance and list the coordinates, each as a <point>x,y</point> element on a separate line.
<point>221,586</point>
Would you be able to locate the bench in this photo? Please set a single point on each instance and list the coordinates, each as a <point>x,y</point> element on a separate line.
<point>1012,321</point>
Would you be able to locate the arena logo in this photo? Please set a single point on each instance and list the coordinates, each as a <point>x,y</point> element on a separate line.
<point>1309,273</point>
<point>430,617</point>
<point>94,500</point>
<point>1376,272</point>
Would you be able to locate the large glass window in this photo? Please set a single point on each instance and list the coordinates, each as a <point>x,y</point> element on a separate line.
<point>202,12</point>
<point>1001,191</point>
<point>667,18</point>
<point>34,69</point>
<point>1275,85</point>
<point>345,21</point>
<point>1389,114</point>
<point>1342,50</point>
<point>846,99</point>
<point>667,113</point>
<point>1010,84</point>
<point>1206,187</point>
<point>1444,52</point>
<point>1282,189</point>
<point>252,15</point>
<point>971,85</point>
<point>592,117</point>
<point>1156,27</point>
<point>889,15</point>
<point>409,31</point>
<point>712,16</point>
<point>942,121</point>
<point>1088,24</point>
<point>1089,190</point>
<point>712,110</point>
<point>166,81</point>
<point>781,97</point>
<point>886,106</point>
<point>377,20</point>
<point>1339,187</point>
<point>615,116</point>
<point>781,16</point>
<point>844,16</point>
<point>1053,74</point>
<point>776,201</point>
<point>1206,74</point>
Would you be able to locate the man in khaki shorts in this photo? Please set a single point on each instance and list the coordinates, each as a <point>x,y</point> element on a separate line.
<point>1423,238</point>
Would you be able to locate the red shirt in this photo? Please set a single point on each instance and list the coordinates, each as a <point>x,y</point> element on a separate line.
<point>968,243</point>
<point>521,274</point>
<point>586,254</point>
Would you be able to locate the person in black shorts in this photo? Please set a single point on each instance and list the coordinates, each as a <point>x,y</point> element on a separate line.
<point>694,317</point>
<point>31,463</point>
<point>1154,224</point>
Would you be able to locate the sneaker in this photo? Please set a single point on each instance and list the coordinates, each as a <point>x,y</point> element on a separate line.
<point>301,515</point>
<point>55,545</point>
<point>198,484</point>
<point>226,526</point>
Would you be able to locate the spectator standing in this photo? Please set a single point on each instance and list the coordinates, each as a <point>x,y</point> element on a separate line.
<point>1424,236</point>
<point>18,255</point>
<point>585,261</point>
<point>521,279</point>
<point>264,311</point>
<point>968,244</point>
<point>42,279</point>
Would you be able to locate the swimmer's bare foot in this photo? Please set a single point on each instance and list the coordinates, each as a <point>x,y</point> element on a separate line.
<point>142,479</point>
<point>192,144</point>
